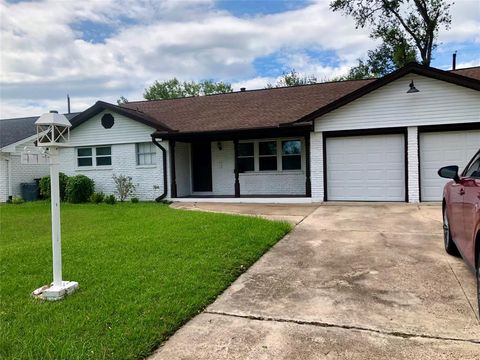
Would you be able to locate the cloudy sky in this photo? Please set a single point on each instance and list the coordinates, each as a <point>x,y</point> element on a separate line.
<point>104,49</point>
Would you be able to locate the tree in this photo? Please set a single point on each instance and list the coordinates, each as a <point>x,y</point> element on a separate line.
<point>173,88</point>
<point>382,61</point>
<point>411,24</point>
<point>292,78</point>
<point>122,100</point>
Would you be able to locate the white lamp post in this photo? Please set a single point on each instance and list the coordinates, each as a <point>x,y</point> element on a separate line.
<point>53,131</point>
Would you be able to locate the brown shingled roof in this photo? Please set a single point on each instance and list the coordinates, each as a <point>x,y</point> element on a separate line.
<point>472,72</point>
<point>244,110</point>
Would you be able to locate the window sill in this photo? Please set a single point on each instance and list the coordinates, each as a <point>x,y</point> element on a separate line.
<point>93,168</point>
<point>145,166</point>
<point>284,172</point>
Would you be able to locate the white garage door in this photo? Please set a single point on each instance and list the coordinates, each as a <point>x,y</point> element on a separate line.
<point>366,168</point>
<point>439,149</point>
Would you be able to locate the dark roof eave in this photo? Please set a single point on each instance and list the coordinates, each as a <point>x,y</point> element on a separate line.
<point>99,106</point>
<point>234,134</point>
<point>415,68</point>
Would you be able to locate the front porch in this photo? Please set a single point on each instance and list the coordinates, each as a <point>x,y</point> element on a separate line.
<point>245,167</point>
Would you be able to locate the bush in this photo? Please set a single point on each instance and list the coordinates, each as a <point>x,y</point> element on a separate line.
<point>123,186</point>
<point>79,189</point>
<point>97,197</point>
<point>110,199</point>
<point>134,200</point>
<point>44,185</point>
<point>17,200</point>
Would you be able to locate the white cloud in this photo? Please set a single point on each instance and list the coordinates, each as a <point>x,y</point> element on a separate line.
<point>43,56</point>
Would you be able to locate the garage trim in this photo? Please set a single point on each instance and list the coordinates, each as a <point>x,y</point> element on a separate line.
<point>438,128</point>
<point>363,132</point>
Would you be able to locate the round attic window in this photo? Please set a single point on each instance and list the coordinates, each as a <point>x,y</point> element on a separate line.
<point>107,121</point>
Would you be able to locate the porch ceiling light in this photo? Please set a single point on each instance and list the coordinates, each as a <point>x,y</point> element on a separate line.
<point>412,89</point>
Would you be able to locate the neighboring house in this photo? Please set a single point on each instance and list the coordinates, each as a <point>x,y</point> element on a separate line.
<point>15,135</point>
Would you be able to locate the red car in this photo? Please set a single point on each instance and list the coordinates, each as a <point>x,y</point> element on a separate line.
<point>461,214</point>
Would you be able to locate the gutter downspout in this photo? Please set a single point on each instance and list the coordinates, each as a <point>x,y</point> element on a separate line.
<point>165,180</point>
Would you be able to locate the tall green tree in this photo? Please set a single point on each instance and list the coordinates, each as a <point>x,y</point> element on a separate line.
<point>174,88</point>
<point>406,28</point>
<point>293,78</point>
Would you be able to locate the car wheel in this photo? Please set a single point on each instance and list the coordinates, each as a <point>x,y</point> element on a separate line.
<point>450,246</point>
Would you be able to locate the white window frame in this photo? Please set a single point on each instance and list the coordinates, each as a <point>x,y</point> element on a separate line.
<point>152,153</point>
<point>94,157</point>
<point>249,156</point>
<point>280,169</point>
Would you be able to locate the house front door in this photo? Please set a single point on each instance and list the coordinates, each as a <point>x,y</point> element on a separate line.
<point>202,167</point>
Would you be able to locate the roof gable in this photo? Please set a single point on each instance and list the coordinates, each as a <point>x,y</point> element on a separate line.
<point>411,68</point>
<point>136,115</point>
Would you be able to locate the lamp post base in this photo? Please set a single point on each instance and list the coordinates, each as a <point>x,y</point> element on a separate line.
<point>53,293</point>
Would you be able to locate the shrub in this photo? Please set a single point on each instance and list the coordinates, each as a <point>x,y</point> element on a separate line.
<point>17,200</point>
<point>97,197</point>
<point>134,200</point>
<point>110,199</point>
<point>44,185</point>
<point>124,186</point>
<point>79,189</point>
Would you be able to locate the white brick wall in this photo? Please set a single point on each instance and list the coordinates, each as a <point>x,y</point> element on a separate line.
<point>20,173</point>
<point>24,173</point>
<point>316,167</point>
<point>413,177</point>
<point>148,180</point>
<point>3,179</point>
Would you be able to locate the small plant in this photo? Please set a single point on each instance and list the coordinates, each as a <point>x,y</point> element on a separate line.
<point>97,197</point>
<point>124,186</point>
<point>79,189</point>
<point>134,200</point>
<point>44,185</point>
<point>17,200</point>
<point>110,199</point>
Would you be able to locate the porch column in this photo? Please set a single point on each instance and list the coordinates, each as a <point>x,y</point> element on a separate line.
<point>237,180</point>
<point>308,184</point>
<point>172,168</point>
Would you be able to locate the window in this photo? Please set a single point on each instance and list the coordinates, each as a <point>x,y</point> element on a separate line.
<point>84,157</point>
<point>473,170</point>
<point>270,155</point>
<point>103,156</point>
<point>267,155</point>
<point>291,155</point>
<point>246,159</point>
<point>146,154</point>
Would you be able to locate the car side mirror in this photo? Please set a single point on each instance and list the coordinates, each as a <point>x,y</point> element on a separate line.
<point>449,172</point>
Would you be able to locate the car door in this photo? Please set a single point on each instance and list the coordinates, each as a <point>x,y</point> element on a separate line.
<point>455,211</point>
<point>471,207</point>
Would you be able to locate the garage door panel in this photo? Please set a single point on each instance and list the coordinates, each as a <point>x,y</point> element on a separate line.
<point>366,168</point>
<point>438,149</point>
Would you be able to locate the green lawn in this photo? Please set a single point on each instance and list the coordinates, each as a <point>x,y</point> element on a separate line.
<point>144,270</point>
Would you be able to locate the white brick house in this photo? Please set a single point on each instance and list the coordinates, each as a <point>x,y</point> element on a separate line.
<point>365,140</point>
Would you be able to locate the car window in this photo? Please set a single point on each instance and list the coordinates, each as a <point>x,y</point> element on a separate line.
<point>473,171</point>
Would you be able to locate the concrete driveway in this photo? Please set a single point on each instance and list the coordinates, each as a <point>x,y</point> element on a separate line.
<point>352,281</point>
